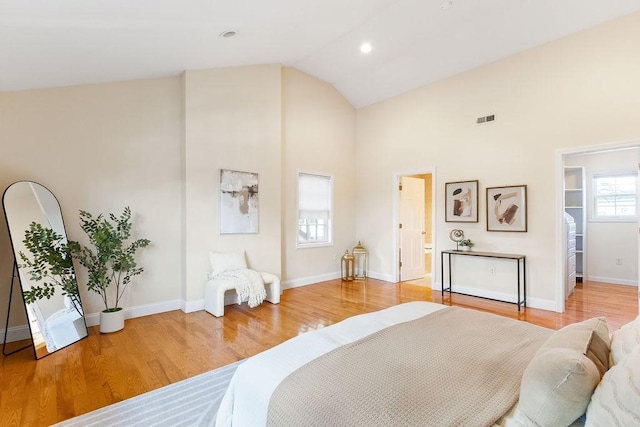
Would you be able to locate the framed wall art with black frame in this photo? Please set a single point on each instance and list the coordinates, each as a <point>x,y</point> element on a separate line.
<point>461,201</point>
<point>507,208</point>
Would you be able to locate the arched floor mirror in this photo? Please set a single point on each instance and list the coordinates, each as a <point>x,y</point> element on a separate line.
<point>43,267</point>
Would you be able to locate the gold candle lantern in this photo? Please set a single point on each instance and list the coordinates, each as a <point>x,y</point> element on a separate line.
<point>346,266</point>
<point>360,260</point>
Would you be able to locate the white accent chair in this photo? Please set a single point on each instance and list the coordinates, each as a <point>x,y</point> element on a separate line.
<point>216,287</point>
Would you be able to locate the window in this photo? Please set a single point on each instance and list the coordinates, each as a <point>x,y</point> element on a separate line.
<point>615,197</point>
<point>314,209</point>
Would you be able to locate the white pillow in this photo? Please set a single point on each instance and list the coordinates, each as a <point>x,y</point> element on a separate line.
<point>556,387</point>
<point>624,340</point>
<point>227,261</point>
<point>616,401</point>
<point>558,382</point>
<point>590,337</point>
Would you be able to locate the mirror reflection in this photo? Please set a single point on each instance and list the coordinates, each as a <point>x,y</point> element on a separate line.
<point>45,267</point>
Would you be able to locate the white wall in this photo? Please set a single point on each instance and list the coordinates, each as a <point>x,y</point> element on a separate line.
<point>158,145</point>
<point>607,241</point>
<point>259,119</point>
<point>578,91</point>
<point>232,120</point>
<point>101,148</point>
<point>318,136</point>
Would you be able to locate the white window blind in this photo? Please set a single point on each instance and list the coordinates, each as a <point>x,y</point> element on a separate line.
<point>314,208</point>
<point>615,196</point>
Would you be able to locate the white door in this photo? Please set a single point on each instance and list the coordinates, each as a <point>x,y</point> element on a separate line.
<point>411,228</point>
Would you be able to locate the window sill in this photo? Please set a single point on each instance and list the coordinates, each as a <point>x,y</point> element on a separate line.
<point>614,220</point>
<point>313,245</point>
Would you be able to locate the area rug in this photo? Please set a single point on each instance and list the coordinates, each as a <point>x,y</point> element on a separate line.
<point>191,402</point>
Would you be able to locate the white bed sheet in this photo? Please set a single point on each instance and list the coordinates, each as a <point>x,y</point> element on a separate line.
<point>514,418</point>
<point>246,401</point>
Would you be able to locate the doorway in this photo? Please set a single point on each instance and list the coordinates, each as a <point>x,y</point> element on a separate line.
<point>607,241</point>
<point>414,222</point>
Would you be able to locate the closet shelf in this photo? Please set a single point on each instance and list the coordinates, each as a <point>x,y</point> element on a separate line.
<point>575,190</point>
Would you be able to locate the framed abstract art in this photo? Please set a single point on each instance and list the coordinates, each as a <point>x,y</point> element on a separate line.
<point>238,202</point>
<point>461,201</point>
<point>507,208</point>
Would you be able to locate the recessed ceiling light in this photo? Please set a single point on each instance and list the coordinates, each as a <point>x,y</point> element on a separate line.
<point>228,34</point>
<point>366,48</point>
<point>446,4</point>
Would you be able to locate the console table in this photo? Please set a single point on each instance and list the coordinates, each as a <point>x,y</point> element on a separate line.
<point>522,284</point>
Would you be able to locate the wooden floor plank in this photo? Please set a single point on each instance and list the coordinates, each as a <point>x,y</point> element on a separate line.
<point>157,350</point>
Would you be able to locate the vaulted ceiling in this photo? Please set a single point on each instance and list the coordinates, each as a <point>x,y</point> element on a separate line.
<point>46,43</point>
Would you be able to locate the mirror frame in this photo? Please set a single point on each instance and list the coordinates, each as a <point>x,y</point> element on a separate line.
<point>41,349</point>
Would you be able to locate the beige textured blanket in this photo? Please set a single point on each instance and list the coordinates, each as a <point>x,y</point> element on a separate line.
<point>249,285</point>
<point>454,367</point>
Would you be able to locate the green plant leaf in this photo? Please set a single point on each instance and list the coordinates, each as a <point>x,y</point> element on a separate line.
<point>109,258</point>
<point>49,261</point>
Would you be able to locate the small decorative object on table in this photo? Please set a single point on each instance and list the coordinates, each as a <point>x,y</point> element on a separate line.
<point>457,236</point>
<point>466,245</point>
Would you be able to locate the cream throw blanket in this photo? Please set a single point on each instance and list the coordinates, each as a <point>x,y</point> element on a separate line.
<point>454,367</point>
<point>249,285</point>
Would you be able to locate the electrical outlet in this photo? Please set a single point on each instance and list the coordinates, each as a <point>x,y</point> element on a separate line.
<point>618,261</point>
<point>492,271</point>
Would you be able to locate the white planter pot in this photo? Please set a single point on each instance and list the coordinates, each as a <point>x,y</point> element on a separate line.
<point>465,248</point>
<point>111,321</point>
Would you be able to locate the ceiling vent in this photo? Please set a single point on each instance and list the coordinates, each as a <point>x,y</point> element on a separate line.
<point>485,119</point>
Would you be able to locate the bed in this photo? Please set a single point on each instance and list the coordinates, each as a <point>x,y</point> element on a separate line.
<point>423,363</point>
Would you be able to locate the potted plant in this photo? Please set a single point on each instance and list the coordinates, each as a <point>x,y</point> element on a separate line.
<point>110,262</point>
<point>466,244</point>
<point>51,263</point>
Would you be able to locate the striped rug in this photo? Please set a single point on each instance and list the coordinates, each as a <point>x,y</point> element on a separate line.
<point>191,402</point>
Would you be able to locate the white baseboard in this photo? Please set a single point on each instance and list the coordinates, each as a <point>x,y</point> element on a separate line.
<point>542,304</point>
<point>148,309</point>
<point>532,302</point>
<point>296,283</point>
<point>612,281</point>
<point>93,319</point>
<point>381,276</point>
<point>22,332</point>
<point>191,306</point>
<point>16,333</point>
<point>500,296</point>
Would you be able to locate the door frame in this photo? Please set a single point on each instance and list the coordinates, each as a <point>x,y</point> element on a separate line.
<point>560,247</point>
<point>396,217</point>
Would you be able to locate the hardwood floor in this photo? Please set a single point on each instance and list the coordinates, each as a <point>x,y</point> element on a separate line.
<point>157,350</point>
